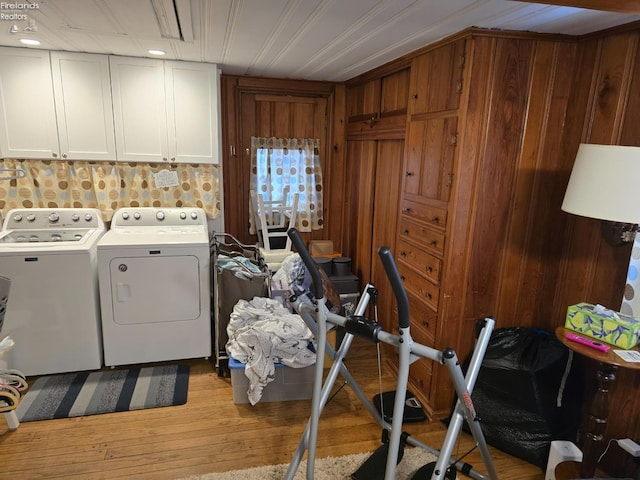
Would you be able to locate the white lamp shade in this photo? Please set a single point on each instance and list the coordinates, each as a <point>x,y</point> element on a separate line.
<point>605,183</point>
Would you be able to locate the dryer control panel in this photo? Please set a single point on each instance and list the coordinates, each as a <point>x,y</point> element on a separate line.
<point>158,217</point>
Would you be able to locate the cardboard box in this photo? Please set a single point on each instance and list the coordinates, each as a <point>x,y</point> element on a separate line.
<point>289,383</point>
<point>321,247</point>
<point>623,332</point>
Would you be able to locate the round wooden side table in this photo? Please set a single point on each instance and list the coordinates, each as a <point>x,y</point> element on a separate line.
<point>608,363</point>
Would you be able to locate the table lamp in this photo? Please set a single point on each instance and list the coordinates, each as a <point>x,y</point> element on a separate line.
<point>605,184</point>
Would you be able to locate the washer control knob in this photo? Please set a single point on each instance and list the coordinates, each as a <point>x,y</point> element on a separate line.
<point>137,215</point>
<point>54,217</point>
<point>183,215</point>
<point>31,217</point>
<point>125,215</point>
<point>194,215</point>
<point>160,215</point>
<point>88,217</point>
<point>75,217</point>
<point>17,218</point>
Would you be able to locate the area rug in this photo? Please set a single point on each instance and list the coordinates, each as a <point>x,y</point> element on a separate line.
<point>91,393</point>
<point>330,468</point>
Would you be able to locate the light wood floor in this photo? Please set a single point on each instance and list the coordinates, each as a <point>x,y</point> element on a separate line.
<point>211,434</point>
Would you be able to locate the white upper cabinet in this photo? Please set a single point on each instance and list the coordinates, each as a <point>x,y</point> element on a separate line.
<point>27,112</point>
<point>192,111</point>
<point>83,106</point>
<point>140,117</point>
<point>165,111</point>
<point>78,106</point>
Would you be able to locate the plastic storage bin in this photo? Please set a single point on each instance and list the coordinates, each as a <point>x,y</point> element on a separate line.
<point>289,384</point>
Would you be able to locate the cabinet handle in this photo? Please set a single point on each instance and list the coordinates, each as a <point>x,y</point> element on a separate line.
<point>459,87</point>
<point>425,323</point>
<point>433,243</point>
<point>402,277</point>
<point>435,219</point>
<point>428,295</point>
<point>164,159</point>
<point>409,174</point>
<point>414,96</point>
<point>429,269</point>
<point>405,232</point>
<point>407,210</point>
<point>64,155</point>
<point>54,155</point>
<point>173,159</point>
<point>403,254</point>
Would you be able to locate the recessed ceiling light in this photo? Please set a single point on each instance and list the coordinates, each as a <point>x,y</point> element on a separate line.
<point>156,52</point>
<point>29,41</point>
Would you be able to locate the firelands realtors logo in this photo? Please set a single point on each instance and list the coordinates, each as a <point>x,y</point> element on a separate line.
<point>16,11</point>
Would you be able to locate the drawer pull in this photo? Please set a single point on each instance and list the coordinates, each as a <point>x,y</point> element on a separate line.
<point>406,232</point>
<point>433,243</point>
<point>402,277</point>
<point>409,174</point>
<point>407,210</point>
<point>435,219</point>
<point>414,96</point>
<point>403,254</point>
<point>429,269</point>
<point>425,323</point>
<point>428,295</point>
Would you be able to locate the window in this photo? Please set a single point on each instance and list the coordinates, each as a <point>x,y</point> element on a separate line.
<point>289,164</point>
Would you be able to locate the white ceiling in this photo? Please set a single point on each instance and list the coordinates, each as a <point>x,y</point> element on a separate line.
<point>304,39</point>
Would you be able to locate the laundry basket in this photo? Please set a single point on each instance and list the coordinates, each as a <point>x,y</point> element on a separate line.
<point>5,346</point>
<point>5,285</point>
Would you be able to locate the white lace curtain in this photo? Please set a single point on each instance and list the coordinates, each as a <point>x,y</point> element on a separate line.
<point>278,163</point>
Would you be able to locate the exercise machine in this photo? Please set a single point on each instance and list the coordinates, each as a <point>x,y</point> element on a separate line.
<point>317,317</point>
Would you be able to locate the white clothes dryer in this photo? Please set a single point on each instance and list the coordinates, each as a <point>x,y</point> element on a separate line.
<point>53,311</point>
<point>155,293</point>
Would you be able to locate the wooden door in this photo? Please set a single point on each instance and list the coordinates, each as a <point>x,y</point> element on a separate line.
<point>385,206</point>
<point>261,115</point>
<point>375,168</point>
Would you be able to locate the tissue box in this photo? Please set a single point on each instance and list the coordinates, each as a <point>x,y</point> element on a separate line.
<point>623,332</point>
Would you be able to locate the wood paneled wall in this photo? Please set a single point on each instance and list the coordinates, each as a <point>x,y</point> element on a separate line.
<point>280,108</point>
<point>522,259</point>
<point>604,109</point>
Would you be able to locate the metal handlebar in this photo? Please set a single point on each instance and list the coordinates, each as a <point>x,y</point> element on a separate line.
<point>396,284</point>
<point>308,261</point>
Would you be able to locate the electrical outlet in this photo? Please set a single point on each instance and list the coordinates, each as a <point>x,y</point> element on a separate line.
<point>630,446</point>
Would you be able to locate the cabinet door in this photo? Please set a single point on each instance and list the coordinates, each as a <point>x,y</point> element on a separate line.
<point>429,158</point>
<point>139,109</point>
<point>83,106</point>
<point>192,112</point>
<point>27,113</point>
<point>363,101</point>
<point>379,97</point>
<point>436,79</point>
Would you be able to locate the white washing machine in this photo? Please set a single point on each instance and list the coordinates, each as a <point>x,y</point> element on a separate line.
<point>154,275</point>
<point>53,311</point>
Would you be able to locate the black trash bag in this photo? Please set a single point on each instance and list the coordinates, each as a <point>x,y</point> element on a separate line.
<point>528,393</point>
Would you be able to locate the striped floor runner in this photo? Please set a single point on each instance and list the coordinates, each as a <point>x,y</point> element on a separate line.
<point>90,393</point>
